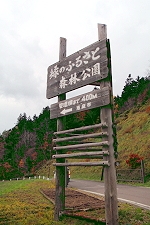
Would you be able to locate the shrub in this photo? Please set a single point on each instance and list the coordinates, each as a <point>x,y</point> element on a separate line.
<point>134,161</point>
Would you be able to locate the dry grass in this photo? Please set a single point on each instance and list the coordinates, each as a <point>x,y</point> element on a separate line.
<point>24,204</point>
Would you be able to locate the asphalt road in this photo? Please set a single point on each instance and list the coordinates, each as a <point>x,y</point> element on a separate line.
<point>134,195</point>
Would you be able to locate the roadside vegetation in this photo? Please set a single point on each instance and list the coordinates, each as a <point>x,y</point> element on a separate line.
<point>132,118</point>
<point>27,147</point>
<point>26,150</point>
<point>22,203</point>
<point>133,136</point>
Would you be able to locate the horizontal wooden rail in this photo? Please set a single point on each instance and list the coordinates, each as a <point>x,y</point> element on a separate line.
<point>78,142</point>
<point>74,155</point>
<point>93,149</point>
<point>71,134</point>
<point>84,136</point>
<point>95,144</point>
<point>96,163</point>
<point>81,128</point>
<point>88,157</point>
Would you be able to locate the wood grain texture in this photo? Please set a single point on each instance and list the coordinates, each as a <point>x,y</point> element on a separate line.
<point>81,128</point>
<point>111,206</point>
<point>96,163</point>
<point>90,100</point>
<point>81,66</point>
<point>60,171</point>
<point>74,155</point>
<point>84,136</point>
<point>94,144</point>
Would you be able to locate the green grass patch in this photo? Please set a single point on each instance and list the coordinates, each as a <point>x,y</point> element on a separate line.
<point>147,184</point>
<point>24,204</point>
<point>133,215</point>
<point>8,186</point>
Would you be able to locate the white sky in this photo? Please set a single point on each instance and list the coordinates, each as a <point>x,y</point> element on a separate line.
<point>29,43</point>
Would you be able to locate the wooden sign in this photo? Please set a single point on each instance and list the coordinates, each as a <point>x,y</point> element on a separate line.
<point>77,70</point>
<point>80,103</point>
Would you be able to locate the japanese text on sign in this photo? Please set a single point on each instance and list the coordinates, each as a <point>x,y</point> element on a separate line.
<point>81,103</point>
<point>85,74</point>
<point>56,71</point>
<point>77,70</point>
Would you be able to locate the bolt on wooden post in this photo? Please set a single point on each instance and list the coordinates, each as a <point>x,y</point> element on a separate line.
<point>111,206</point>
<point>60,171</point>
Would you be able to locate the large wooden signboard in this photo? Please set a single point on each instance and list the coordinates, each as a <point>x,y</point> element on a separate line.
<point>77,70</point>
<point>88,66</point>
<point>80,103</point>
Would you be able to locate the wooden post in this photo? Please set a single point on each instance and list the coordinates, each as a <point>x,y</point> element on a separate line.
<point>66,174</point>
<point>60,171</point>
<point>111,206</point>
<point>142,171</point>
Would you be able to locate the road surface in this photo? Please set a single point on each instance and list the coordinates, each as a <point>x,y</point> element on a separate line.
<point>135,195</point>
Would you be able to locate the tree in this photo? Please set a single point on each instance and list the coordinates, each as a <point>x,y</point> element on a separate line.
<point>135,92</point>
<point>5,133</point>
<point>21,163</point>
<point>134,160</point>
<point>29,164</point>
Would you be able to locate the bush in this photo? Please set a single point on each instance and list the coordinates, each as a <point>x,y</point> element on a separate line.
<point>134,161</point>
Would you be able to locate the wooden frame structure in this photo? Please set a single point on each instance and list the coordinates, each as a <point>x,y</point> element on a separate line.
<point>97,73</point>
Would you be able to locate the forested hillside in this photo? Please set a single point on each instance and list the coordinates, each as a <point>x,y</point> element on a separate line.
<point>27,147</point>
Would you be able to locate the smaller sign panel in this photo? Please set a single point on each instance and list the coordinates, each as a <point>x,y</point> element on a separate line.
<point>80,103</point>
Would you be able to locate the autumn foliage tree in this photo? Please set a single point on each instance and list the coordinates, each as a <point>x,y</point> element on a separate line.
<point>7,166</point>
<point>134,161</point>
<point>21,163</point>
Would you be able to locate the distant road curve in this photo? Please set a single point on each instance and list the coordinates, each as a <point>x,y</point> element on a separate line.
<point>134,195</point>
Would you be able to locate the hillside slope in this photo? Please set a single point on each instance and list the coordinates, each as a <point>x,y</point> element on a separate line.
<point>28,145</point>
<point>133,136</point>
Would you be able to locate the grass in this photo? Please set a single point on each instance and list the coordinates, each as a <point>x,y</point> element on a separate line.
<point>6,187</point>
<point>147,184</point>
<point>133,215</point>
<point>133,134</point>
<point>22,203</point>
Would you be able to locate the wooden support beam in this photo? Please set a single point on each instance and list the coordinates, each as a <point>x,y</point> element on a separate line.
<point>95,144</point>
<point>111,206</point>
<point>81,128</point>
<point>60,171</point>
<point>84,136</point>
<point>96,163</point>
<point>102,31</point>
<point>74,155</point>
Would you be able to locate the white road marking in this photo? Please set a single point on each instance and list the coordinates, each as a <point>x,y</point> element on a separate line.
<point>147,207</point>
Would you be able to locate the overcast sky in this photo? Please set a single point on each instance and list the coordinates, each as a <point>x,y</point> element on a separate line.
<point>29,43</point>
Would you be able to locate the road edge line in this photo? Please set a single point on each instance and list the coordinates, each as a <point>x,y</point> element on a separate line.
<point>123,200</point>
